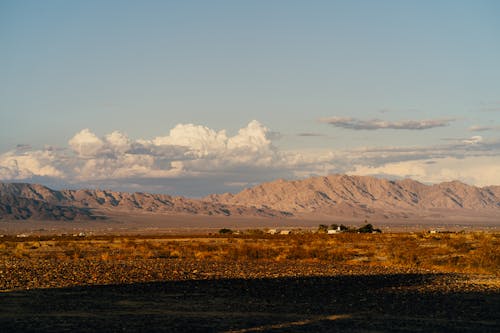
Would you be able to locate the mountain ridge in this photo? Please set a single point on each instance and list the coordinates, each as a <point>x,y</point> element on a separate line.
<point>335,193</point>
<point>332,195</point>
<point>38,201</point>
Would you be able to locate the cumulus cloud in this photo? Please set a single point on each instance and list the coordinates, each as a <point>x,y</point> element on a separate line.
<point>23,165</point>
<point>200,140</point>
<point>187,151</point>
<point>202,160</point>
<point>374,124</point>
<point>254,137</point>
<point>85,143</point>
<point>118,142</point>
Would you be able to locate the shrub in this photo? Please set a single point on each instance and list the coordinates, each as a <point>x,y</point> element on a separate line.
<point>323,228</point>
<point>366,229</point>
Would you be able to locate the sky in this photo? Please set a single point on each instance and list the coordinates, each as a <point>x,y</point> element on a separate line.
<point>199,97</point>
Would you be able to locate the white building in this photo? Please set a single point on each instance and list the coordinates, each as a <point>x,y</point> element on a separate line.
<point>334,231</point>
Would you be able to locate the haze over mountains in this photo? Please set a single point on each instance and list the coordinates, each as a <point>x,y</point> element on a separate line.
<point>334,195</point>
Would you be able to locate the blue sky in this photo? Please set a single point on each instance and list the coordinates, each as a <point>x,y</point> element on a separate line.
<point>391,88</point>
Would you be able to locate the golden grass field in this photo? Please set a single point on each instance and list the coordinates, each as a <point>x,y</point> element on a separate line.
<point>252,282</point>
<point>476,252</point>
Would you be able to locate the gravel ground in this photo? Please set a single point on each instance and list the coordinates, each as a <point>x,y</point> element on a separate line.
<point>18,274</point>
<point>173,295</point>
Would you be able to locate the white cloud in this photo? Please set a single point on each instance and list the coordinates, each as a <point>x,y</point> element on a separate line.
<point>480,171</point>
<point>253,138</point>
<point>473,140</point>
<point>188,150</point>
<point>479,128</point>
<point>118,142</point>
<point>28,164</point>
<point>85,143</point>
<point>191,153</point>
<point>200,140</point>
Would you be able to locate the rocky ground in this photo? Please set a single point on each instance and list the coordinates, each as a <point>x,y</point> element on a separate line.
<point>179,295</point>
<point>19,274</point>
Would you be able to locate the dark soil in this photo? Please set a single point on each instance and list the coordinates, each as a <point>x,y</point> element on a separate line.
<point>402,302</point>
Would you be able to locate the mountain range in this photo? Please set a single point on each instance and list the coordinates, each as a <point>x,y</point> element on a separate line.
<point>363,195</point>
<point>23,201</point>
<point>333,195</point>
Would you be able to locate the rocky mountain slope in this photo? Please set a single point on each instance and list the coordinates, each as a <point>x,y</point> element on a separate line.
<point>22,201</point>
<point>357,196</point>
<point>334,195</point>
<point>19,208</point>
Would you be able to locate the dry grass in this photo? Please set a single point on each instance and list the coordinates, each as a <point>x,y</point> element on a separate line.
<point>465,253</point>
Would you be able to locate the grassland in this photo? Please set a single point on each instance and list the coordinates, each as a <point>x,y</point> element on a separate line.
<point>446,252</point>
<point>476,253</point>
<point>251,283</point>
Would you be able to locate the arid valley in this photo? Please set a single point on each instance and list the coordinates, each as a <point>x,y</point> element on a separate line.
<point>395,205</point>
<point>263,260</point>
<point>249,166</point>
<point>253,282</point>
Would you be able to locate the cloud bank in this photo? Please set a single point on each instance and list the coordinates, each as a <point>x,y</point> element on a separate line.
<point>188,152</point>
<point>195,160</point>
<point>375,124</point>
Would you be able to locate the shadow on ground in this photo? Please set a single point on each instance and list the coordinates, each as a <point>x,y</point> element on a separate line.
<point>389,303</point>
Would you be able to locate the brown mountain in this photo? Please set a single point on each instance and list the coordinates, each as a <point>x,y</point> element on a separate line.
<point>354,196</point>
<point>22,201</point>
<point>23,208</point>
<point>334,195</point>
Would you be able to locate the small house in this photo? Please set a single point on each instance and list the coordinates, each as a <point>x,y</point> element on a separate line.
<point>336,230</point>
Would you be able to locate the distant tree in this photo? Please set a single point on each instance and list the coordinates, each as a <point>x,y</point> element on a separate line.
<point>343,228</point>
<point>323,228</point>
<point>225,231</point>
<point>255,232</point>
<point>334,226</point>
<point>366,229</point>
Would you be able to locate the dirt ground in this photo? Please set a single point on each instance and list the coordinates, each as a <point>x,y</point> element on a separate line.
<point>342,303</point>
<point>148,223</point>
<point>247,284</point>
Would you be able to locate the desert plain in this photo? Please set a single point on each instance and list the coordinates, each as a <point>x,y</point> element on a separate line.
<point>249,166</point>
<point>268,259</point>
<point>251,282</point>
